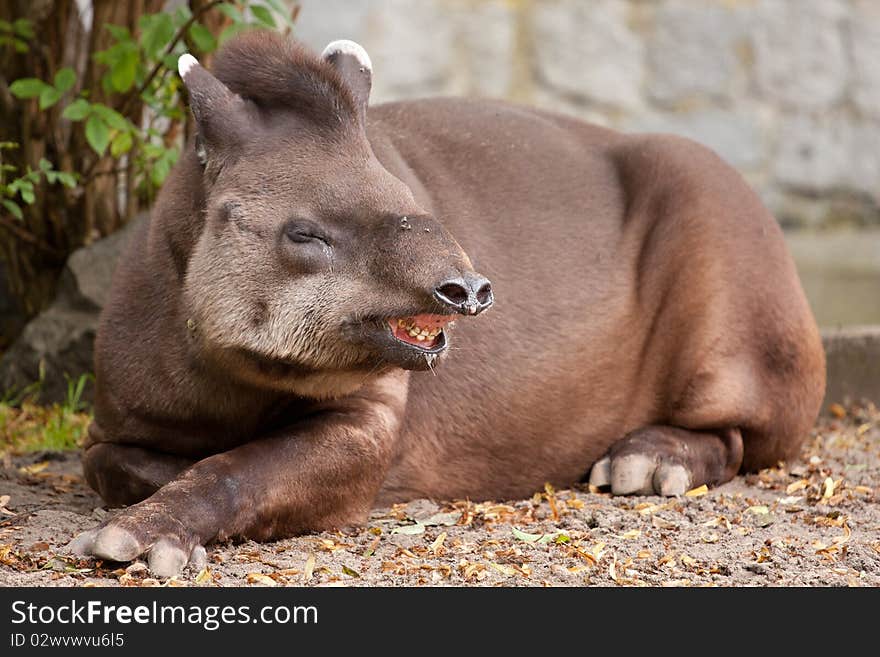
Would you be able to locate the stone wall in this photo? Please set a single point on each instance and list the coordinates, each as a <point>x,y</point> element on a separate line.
<point>788,91</point>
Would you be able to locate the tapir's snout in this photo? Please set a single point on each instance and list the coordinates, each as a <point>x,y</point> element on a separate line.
<point>469,294</point>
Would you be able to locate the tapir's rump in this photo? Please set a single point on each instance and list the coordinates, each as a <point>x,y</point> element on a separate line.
<point>278,354</point>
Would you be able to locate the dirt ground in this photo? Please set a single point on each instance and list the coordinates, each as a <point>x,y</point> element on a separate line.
<point>815,522</point>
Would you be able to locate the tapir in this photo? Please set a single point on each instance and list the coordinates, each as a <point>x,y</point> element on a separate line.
<point>334,307</point>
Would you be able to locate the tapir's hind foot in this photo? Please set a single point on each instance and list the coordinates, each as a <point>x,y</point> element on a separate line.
<point>123,474</point>
<point>661,460</point>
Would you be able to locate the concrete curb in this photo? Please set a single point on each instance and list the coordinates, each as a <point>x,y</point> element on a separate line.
<point>853,358</point>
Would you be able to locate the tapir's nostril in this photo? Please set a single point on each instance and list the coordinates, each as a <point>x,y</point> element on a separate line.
<point>484,294</point>
<point>469,295</point>
<point>453,292</point>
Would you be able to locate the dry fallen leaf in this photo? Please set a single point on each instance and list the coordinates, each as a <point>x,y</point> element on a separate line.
<point>204,576</point>
<point>828,488</point>
<point>437,545</point>
<point>837,411</point>
<point>796,486</point>
<point>34,468</point>
<point>632,533</point>
<point>659,523</point>
<point>371,548</point>
<point>261,579</point>
<point>504,570</point>
<point>696,492</point>
<point>309,568</point>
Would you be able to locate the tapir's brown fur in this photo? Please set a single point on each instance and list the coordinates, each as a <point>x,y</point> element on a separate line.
<point>646,308</point>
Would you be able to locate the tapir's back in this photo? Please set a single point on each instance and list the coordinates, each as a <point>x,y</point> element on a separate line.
<point>624,267</point>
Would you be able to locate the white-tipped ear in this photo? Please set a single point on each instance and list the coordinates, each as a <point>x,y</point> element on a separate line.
<point>354,66</point>
<point>346,47</point>
<point>222,117</point>
<point>185,64</point>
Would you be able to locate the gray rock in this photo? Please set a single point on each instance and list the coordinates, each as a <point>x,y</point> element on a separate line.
<point>58,344</point>
<point>488,33</point>
<point>738,137</point>
<point>853,362</point>
<point>321,21</point>
<point>800,59</point>
<point>692,51</point>
<point>828,152</point>
<point>587,50</point>
<point>864,31</point>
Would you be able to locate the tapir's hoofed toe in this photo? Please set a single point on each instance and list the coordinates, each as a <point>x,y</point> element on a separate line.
<point>81,545</point>
<point>166,558</point>
<point>116,544</point>
<point>600,474</point>
<point>663,460</point>
<point>638,474</point>
<point>143,529</point>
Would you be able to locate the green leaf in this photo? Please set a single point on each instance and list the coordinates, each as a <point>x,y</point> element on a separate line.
<point>111,117</point>
<point>97,134</point>
<point>157,31</point>
<point>263,15</point>
<point>282,11</point>
<point>121,144</point>
<point>66,179</point>
<point>5,26</point>
<point>19,45</point>
<point>202,38</point>
<point>182,14</point>
<point>124,70</point>
<point>49,97</point>
<point>23,28</point>
<point>410,530</point>
<point>119,32</point>
<point>170,61</point>
<point>45,165</point>
<point>350,571</point>
<point>231,12</point>
<point>65,79</point>
<point>13,208</point>
<point>162,166</point>
<point>28,88</point>
<point>77,110</point>
<point>23,187</point>
<point>525,536</point>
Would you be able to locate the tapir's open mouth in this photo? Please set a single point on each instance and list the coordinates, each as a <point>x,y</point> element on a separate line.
<point>422,331</point>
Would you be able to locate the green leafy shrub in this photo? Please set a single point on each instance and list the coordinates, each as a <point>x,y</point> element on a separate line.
<point>87,144</point>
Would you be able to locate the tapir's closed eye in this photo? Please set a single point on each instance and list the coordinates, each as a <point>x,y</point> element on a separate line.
<point>302,230</point>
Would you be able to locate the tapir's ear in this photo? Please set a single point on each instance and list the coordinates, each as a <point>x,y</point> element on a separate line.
<point>353,64</point>
<point>221,116</point>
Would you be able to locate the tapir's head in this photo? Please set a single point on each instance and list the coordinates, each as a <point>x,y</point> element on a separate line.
<point>315,266</point>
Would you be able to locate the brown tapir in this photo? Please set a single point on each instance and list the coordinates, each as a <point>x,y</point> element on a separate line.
<point>278,354</point>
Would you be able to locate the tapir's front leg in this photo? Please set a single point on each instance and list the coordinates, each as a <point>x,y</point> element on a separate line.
<point>319,473</point>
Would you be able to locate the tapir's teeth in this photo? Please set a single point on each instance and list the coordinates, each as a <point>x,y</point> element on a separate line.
<point>420,337</point>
